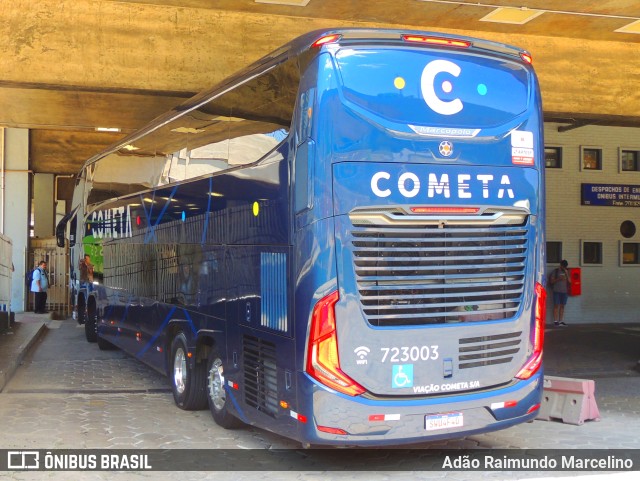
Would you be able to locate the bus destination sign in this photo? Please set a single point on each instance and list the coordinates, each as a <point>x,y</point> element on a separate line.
<point>616,195</point>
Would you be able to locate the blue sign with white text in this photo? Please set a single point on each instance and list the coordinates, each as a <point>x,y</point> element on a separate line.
<point>615,195</point>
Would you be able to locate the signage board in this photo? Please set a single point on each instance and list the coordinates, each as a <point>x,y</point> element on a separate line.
<point>614,195</point>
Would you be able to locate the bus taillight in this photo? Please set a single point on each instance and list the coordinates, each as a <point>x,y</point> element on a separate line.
<point>326,429</point>
<point>535,361</point>
<point>444,210</point>
<point>535,407</point>
<point>526,56</point>
<point>323,363</point>
<point>444,42</point>
<point>326,39</point>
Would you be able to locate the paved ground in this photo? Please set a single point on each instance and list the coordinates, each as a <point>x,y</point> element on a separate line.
<point>57,399</point>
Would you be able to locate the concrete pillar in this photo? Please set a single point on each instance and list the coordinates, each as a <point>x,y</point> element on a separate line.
<point>43,207</point>
<point>14,204</point>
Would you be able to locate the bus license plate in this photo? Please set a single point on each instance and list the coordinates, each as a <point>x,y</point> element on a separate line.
<point>433,422</point>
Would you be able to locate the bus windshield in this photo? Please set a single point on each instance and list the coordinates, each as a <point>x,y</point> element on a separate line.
<point>427,87</point>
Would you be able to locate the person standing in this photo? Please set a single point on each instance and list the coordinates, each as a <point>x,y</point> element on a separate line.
<point>560,282</point>
<point>86,270</point>
<point>39,287</point>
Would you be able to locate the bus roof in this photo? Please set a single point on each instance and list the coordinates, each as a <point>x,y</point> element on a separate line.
<point>321,39</point>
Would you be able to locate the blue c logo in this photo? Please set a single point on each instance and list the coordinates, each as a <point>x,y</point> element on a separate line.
<point>428,91</point>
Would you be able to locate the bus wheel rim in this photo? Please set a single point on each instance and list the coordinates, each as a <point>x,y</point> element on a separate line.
<point>180,371</point>
<point>216,385</point>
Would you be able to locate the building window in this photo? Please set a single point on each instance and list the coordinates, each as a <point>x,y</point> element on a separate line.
<point>553,157</point>
<point>591,158</point>
<point>591,253</point>
<point>630,253</point>
<point>554,252</point>
<point>629,160</point>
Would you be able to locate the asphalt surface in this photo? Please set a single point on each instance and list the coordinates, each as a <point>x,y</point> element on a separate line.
<point>59,392</point>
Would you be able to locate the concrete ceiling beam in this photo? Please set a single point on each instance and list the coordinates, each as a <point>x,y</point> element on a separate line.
<point>115,45</point>
<point>73,65</point>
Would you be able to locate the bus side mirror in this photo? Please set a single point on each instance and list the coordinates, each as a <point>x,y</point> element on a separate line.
<point>60,236</point>
<point>60,230</point>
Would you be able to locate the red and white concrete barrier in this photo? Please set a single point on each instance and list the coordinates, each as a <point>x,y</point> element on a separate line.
<point>570,400</point>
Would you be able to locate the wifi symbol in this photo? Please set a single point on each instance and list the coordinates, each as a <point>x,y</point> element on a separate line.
<point>362,351</point>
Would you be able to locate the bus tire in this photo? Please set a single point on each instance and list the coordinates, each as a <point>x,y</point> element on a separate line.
<point>81,310</point>
<point>187,384</point>
<point>217,395</point>
<point>104,345</point>
<point>91,325</point>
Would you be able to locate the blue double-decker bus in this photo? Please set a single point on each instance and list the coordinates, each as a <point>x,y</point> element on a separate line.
<point>343,243</point>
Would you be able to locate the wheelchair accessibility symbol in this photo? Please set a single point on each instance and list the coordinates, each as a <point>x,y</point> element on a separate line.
<point>402,376</point>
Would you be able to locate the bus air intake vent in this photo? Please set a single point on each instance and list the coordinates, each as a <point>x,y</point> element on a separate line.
<point>273,291</point>
<point>488,350</point>
<point>412,274</point>
<point>260,375</point>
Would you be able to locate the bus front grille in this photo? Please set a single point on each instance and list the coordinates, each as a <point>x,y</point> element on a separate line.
<point>432,274</point>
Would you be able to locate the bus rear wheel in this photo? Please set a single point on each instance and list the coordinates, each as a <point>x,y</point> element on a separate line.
<point>105,345</point>
<point>91,324</point>
<point>187,383</point>
<point>217,395</point>
<point>81,310</point>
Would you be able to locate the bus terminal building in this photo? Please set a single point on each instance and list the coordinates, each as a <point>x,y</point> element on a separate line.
<point>593,207</point>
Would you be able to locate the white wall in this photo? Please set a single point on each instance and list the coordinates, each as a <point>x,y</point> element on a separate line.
<point>16,206</point>
<point>6,272</point>
<point>610,292</point>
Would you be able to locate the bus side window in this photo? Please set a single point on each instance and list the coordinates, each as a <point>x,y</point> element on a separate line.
<point>262,113</point>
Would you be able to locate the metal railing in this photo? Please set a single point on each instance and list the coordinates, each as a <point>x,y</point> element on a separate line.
<point>57,260</point>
